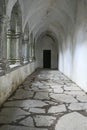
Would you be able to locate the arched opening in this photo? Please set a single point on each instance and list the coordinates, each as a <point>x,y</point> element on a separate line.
<point>14,38</point>
<point>47,51</point>
<point>25,44</point>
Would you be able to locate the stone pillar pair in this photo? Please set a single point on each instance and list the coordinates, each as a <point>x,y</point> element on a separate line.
<point>14,49</point>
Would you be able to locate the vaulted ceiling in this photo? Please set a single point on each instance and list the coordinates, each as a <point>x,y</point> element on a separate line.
<point>46,15</point>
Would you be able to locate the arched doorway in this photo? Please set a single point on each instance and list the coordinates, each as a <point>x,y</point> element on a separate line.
<point>47,51</point>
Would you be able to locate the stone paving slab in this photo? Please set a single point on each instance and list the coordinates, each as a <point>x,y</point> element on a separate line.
<point>36,110</point>
<point>72,121</point>
<point>47,100</point>
<point>26,104</point>
<point>9,127</point>
<point>8,115</point>
<point>67,88</point>
<point>27,122</point>
<point>78,106</point>
<point>82,98</point>
<point>41,95</point>
<point>63,98</point>
<point>44,120</point>
<point>23,94</point>
<point>75,93</point>
<point>57,109</point>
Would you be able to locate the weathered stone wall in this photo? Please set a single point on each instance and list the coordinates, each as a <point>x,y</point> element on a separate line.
<point>73,49</point>
<point>80,46</point>
<point>13,68</point>
<point>10,81</point>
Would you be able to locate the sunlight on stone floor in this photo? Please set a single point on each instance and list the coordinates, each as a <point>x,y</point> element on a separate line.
<point>47,100</point>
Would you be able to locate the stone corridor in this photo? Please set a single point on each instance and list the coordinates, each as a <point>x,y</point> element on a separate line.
<point>47,100</point>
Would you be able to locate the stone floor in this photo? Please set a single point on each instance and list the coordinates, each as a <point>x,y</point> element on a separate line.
<point>47,100</point>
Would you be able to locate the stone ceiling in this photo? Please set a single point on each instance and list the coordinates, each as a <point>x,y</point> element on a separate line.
<point>46,15</point>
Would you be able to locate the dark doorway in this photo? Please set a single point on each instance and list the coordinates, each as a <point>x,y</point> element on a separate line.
<point>47,58</point>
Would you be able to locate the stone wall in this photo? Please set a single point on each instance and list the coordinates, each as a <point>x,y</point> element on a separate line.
<point>10,81</point>
<point>73,50</point>
<point>15,64</point>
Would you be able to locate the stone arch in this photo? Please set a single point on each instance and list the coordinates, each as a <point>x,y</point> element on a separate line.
<point>16,17</point>
<point>47,41</point>
<point>14,39</point>
<point>10,6</point>
<point>2,7</point>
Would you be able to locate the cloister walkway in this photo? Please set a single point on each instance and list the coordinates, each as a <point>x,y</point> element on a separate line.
<point>47,100</point>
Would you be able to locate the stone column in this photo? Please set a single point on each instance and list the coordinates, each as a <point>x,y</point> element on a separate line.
<point>9,37</point>
<point>18,44</point>
<point>30,52</point>
<point>25,45</point>
<point>34,51</point>
<point>3,59</point>
<point>30,49</point>
<point>14,50</point>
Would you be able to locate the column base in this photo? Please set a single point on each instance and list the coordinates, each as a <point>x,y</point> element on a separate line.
<point>14,61</point>
<point>34,58</point>
<point>30,59</point>
<point>25,61</point>
<point>2,67</point>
